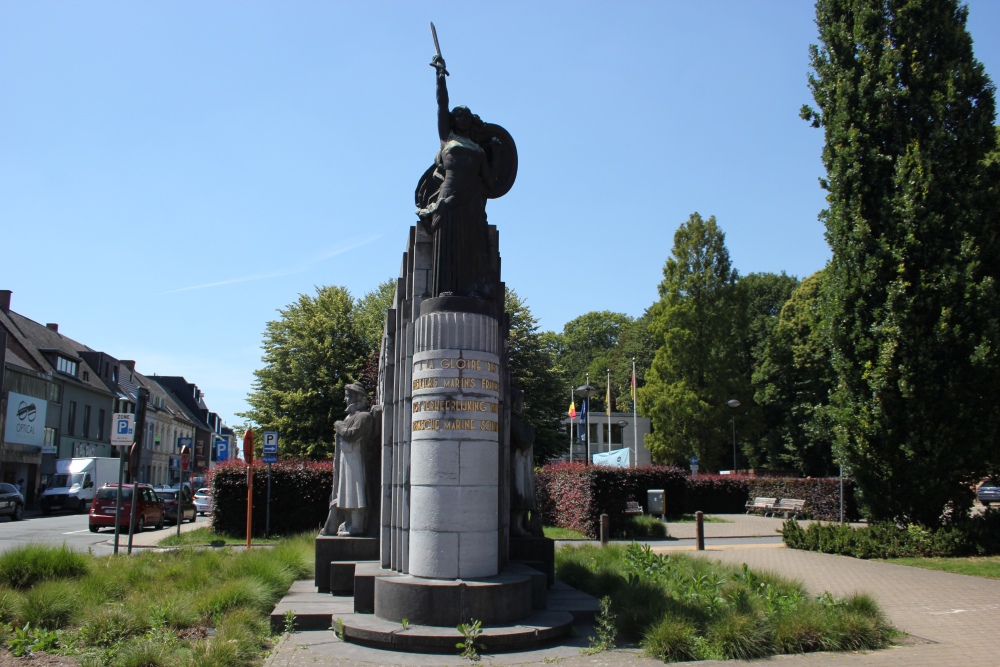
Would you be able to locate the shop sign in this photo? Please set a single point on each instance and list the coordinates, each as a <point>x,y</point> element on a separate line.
<point>25,420</point>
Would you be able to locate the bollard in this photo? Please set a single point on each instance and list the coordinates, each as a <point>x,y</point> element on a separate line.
<point>699,521</point>
<point>605,524</point>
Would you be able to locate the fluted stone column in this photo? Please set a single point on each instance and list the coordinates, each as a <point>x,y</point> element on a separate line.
<point>454,446</point>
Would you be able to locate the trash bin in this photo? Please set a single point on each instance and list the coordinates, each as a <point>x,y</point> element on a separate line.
<point>655,501</point>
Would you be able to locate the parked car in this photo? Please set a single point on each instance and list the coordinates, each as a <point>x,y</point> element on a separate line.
<point>148,507</point>
<point>989,492</point>
<point>11,502</point>
<point>203,501</point>
<point>170,499</point>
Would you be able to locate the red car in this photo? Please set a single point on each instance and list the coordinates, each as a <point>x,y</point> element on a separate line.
<point>148,508</point>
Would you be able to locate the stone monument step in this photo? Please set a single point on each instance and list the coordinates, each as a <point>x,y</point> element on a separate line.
<point>536,630</point>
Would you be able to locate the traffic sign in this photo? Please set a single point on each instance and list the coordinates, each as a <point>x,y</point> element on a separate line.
<point>185,458</point>
<point>221,449</point>
<point>269,458</point>
<point>123,429</point>
<point>270,442</point>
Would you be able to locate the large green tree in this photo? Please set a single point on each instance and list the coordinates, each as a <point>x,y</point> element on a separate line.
<point>757,307</point>
<point>908,115</point>
<point>586,342</point>
<point>696,366</point>
<point>793,382</point>
<point>533,370</point>
<point>310,353</point>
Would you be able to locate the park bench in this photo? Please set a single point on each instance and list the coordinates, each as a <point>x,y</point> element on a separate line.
<point>789,507</point>
<point>760,504</point>
<point>633,507</point>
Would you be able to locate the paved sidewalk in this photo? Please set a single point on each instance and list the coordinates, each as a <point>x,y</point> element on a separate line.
<point>951,619</point>
<point>733,525</point>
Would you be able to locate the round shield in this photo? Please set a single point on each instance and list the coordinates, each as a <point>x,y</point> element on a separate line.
<point>506,166</point>
<point>427,187</point>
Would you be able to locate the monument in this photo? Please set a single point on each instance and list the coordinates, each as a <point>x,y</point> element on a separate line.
<point>447,552</point>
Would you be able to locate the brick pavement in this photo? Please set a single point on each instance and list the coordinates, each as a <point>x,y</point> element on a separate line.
<point>951,619</point>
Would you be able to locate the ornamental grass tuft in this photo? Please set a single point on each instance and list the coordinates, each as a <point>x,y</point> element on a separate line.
<point>681,608</point>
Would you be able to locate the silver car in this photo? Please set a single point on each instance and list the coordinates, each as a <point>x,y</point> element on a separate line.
<point>203,501</point>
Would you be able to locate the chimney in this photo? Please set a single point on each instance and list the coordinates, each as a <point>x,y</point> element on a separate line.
<point>128,363</point>
<point>5,299</point>
<point>53,326</point>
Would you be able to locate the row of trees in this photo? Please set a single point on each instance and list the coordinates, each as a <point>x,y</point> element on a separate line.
<point>885,362</point>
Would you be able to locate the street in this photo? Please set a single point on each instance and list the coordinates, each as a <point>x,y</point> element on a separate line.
<point>65,528</point>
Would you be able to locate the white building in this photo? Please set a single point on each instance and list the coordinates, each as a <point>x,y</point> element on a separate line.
<point>618,431</point>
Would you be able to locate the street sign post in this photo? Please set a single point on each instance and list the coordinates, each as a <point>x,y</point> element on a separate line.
<point>123,429</point>
<point>270,449</point>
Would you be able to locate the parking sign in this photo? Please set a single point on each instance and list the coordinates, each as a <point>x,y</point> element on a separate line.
<point>221,449</point>
<point>122,429</point>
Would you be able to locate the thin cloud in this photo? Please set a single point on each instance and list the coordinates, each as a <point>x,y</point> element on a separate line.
<point>274,274</point>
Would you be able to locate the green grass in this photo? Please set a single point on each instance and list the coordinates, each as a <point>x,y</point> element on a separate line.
<point>182,607</point>
<point>562,533</point>
<point>977,566</point>
<point>682,608</point>
<point>203,536</point>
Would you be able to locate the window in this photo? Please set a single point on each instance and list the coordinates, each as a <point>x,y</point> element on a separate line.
<point>64,365</point>
<point>71,422</point>
<point>50,437</point>
<point>100,424</point>
<point>86,421</point>
<point>114,374</point>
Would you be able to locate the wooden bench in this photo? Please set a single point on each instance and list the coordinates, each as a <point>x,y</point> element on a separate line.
<point>790,507</point>
<point>633,507</point>
<point>760,504</point>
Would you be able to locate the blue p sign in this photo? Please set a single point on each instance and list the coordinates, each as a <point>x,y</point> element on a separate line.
<point>122,427</point>
<point>221,450</point>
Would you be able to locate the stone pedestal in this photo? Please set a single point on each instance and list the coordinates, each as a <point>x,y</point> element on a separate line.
<point>499,600</point>
<point>335,549</point>
<point>454,458</point>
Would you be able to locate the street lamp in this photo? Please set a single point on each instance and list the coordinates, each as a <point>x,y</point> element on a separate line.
<point>585,391</point>
<point>733,403</point>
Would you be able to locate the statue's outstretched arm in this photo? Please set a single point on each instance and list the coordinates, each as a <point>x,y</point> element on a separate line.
<point>444,116</point>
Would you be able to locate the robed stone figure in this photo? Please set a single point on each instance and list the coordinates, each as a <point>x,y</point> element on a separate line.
<point>356,435</point>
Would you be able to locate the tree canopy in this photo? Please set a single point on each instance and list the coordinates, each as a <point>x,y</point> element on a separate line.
<point>907,113</point>
<point>310,354</point>
<point>695,369</point>
<point>533,370</point>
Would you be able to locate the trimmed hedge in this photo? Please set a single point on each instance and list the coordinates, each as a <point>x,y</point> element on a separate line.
<point>977,536</point>
<point>300,496</point>
<point>715,494</point>
<point>572,495</point>
<point>822,495</point>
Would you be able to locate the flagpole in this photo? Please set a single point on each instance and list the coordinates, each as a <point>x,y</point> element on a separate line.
<point>635,427</point>
<point>607,409</point>
<point>587,399</point>
<point>572,409</point>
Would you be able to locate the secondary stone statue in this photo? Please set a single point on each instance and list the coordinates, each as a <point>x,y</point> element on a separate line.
<point>349,501</point>
<point>477,161</point>
<point>522,469</point>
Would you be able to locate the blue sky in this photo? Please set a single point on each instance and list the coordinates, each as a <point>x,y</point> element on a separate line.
<point>173,173</point>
